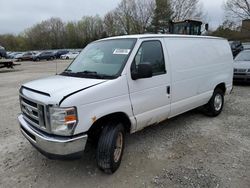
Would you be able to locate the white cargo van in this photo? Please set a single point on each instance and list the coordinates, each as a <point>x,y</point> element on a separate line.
<point>123,84</point>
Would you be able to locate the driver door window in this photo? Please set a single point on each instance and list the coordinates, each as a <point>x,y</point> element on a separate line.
<point>150,52</point>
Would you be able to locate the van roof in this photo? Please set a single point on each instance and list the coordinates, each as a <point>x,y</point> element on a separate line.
<point>142,36</point>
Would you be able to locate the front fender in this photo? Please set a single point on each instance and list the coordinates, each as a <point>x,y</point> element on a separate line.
<point>101,100</point>
<point>89,113</point>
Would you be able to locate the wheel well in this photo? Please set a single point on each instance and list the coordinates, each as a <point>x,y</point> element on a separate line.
<point>221,86</point>
<point>98,125</point>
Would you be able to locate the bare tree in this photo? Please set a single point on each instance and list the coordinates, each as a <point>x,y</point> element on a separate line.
<point>90,28</point>
<point>143,13</point>
<point>57,32</point>
<point>134,16</point>
<point>186,9</point>
<point>162,15</point>
<point>123,14</point>
<point>46,35</point>
<point>112,26</point>
<point>38,36</point>
<point>238,9</point>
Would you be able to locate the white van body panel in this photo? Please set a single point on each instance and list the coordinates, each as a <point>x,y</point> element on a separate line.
<point>197,67</point>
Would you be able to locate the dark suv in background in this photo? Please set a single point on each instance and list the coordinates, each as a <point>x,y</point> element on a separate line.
<point>2,52</point>
<point>58,53</point>
<point>46,55</point>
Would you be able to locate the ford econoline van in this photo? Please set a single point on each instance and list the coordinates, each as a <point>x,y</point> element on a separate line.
<point>121,85</point>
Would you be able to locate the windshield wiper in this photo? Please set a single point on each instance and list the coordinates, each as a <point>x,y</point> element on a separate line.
<point>93,74</point>
<point>87,74</point>
<point>68,70</point>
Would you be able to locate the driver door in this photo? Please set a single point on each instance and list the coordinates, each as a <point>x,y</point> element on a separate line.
<point>150,97</point>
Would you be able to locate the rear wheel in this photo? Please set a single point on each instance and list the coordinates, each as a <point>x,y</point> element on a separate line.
<point>110,147</point>
<point>215,105</point>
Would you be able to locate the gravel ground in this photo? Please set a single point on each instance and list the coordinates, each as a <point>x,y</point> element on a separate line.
<point>191,150</point>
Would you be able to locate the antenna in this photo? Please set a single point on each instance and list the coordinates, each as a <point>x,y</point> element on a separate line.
<point>56,66</point>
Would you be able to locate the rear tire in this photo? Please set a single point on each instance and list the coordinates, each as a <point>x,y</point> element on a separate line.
<point>215,105</point>
<point>110,147</point>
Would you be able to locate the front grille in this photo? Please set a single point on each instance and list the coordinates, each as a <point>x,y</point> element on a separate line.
<point>33,113</point>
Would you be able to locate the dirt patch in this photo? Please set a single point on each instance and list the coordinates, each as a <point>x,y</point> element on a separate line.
<point>186,177</point>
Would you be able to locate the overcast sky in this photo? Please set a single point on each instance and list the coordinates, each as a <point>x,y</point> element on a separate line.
<point>17,15</point>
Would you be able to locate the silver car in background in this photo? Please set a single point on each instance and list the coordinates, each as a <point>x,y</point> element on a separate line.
<point>2,52</point>
<point>242,67</point>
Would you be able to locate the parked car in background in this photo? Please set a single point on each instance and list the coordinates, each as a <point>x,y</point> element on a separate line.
<point>70,55</point>
<point>2,52</point>
<point>18,55</point>
<point>26,56</point>
<point>236,47</point>
<point>45,55</point>
<point>242,67</point>
<point>246,46</point>
<point>8,53</point>
<point>12,55</point>
<point>59,53</point>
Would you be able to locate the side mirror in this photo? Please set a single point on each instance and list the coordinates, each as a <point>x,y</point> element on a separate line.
<point>144,70</point>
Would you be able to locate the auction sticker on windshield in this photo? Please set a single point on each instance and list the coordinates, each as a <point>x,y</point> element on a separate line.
<point>121,51</point>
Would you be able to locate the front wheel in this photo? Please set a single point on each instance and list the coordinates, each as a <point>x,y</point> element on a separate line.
<point>110,147</point>
<point>215,105</point>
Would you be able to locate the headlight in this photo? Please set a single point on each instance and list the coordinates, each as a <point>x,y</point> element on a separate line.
<point>63,120</point>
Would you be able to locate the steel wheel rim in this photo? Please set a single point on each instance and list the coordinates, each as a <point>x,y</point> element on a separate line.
<point>218,102</point>
<point>118,147</point>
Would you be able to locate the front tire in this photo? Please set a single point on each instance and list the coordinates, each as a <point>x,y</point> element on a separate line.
<point>215,105</point>
<point>110,147</point>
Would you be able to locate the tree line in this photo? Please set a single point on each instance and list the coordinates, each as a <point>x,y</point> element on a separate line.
<point>129,17</point>
<point>235,12</point>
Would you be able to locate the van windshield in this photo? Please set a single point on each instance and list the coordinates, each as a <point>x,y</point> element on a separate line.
<point>102,59</point>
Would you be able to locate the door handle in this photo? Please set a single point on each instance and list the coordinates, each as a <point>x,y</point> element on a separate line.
<point>168,90</point>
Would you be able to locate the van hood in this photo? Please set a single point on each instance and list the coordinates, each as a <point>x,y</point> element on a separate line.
<point>57,87</point>
<point>242,64</point>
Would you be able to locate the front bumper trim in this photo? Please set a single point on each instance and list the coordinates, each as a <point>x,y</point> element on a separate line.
<point>52,145</point>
